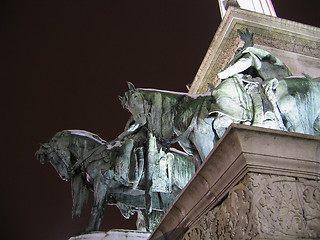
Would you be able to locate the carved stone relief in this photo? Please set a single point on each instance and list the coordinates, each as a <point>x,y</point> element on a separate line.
<point>264,206</point>
<point>273,33</point>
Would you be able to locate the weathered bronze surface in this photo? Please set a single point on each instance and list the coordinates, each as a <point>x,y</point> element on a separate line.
<point>139,172</point>
<point>256,89</point>
<point>132,174</point>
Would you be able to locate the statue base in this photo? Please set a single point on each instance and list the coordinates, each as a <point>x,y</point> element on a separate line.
<point>256,184</point>
<point>115,234</point>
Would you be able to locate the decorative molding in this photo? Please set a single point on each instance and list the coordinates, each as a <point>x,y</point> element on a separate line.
<point>265,207</point>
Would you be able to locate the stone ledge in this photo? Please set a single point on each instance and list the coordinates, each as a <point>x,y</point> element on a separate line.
<point>242,150</point>
<point>116,234</point>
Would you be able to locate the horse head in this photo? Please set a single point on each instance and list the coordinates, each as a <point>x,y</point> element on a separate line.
<point>41,154</point>
<point>134,102</point>
<point>58,157</point>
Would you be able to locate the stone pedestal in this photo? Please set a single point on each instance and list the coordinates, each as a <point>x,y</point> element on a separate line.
<point>114,235</point>
<point>256,184</point>
<point>296,45</point>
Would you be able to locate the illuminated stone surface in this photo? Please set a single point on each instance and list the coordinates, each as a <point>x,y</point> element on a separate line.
<point>113,235</point>
<point>260,6</point>
<point>256,184</point>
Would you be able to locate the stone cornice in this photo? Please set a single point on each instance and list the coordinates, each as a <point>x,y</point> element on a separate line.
<point>242,149</point>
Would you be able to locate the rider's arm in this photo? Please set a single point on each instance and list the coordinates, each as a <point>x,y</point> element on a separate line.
<point>239,66</point>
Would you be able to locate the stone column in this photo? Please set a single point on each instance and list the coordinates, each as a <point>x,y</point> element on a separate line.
<point>260,6</point>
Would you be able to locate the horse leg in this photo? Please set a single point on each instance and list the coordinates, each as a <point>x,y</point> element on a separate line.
<point>100,190</point>
<point>140,223</point>
<point>149,167</point>
<point>148,222</point>
<point>203,137</point>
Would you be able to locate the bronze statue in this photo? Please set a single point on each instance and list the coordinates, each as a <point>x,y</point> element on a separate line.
<point>256,89</point>
<point>139,172</point>
<point>174,117</point>
<point>116,173</point>
<point>197,122</point>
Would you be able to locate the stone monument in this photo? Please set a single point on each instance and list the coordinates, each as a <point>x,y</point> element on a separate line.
<point>133,174</point>
<point>249,126</point>
<point>257,183</point>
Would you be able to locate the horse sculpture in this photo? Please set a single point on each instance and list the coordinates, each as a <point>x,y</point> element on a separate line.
<point>115,173</point>
<point>173,117</point>
<point>256,89</point>
<point>197,122</point>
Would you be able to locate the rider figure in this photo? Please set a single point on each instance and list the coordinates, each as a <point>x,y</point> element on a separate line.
<point>254,67</point>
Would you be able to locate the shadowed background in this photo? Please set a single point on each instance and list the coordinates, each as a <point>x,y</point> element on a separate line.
<point>63,64</point>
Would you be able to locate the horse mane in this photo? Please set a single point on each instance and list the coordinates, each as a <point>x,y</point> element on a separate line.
<point>87,134</point>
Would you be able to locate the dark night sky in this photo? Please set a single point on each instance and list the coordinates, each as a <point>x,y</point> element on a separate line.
<point>63,64</point>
